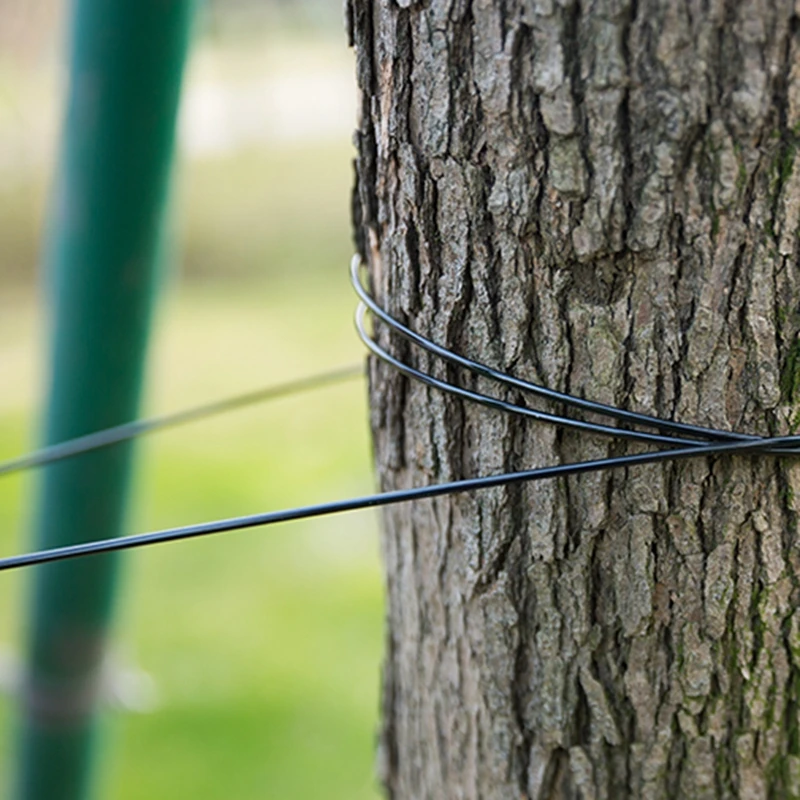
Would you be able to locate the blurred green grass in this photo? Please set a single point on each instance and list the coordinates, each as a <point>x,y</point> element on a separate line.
<point>263,645</point>
<point>277,228</point>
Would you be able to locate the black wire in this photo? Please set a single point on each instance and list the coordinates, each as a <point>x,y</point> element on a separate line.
<point>374,501</point>
<point>132,430</point>
<point>511,408</point>
<point>516,383</point>
<point>721,443</point>
<point>532,388</point>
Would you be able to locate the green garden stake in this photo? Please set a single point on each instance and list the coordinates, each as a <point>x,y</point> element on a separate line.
<point>126,66</point>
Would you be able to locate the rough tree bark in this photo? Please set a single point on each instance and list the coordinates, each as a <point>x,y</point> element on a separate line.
<point>602,197</point>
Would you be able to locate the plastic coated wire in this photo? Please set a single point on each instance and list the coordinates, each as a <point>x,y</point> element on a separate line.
<point>132,430</point>
<point>703,442</point>
<point>376,500</point>
<point>532,388</point>
<point>702,434</point>
<point>502,405</point>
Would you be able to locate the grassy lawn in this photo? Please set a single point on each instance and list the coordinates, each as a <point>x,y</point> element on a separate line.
<point>263,646</point>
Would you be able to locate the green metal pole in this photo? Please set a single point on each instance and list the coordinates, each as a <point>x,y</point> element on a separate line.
<point>127,60</point>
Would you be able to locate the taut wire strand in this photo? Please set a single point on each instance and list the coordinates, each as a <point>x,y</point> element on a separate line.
<point>377,500</point>
<point>133,430</point>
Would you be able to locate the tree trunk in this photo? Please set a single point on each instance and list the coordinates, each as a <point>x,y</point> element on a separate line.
<point>601,197</point>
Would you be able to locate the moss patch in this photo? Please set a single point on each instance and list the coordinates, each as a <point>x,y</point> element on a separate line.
<point>790,374</point>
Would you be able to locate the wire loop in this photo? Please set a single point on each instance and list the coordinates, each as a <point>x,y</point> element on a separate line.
<point>697,435</point>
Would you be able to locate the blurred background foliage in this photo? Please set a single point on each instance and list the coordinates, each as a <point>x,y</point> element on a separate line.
<point>244,665</point>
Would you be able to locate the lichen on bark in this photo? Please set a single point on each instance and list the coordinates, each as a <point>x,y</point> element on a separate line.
<point>602,197</point>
